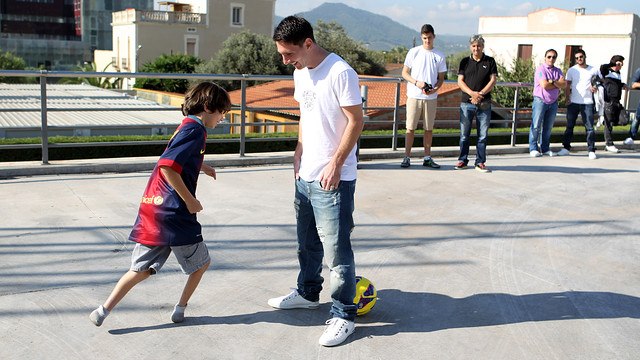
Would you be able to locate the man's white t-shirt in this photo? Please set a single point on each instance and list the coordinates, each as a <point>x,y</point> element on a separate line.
<point>581,83</point>
<point>425,66</point>
<point>321,93</point>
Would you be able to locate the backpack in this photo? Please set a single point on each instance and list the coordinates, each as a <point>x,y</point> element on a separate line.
<point>612,89</point>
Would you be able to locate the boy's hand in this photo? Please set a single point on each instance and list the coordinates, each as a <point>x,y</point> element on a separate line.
<point>194,206</point>
<point>209,170</point>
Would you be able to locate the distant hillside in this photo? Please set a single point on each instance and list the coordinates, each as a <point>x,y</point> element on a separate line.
<point>379,32</point>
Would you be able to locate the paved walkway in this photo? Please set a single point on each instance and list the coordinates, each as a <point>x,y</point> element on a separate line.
<point>537,260</point>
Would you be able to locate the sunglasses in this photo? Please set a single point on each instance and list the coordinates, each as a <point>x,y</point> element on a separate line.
<point>579,57</point>
<point>551,57</point>
<point>618,64</point>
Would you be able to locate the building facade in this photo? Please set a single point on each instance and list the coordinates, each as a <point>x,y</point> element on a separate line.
<point>59,34</point>
<point>599,35</point>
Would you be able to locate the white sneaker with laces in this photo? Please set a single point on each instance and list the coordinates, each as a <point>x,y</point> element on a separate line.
<point>535,153</point>
<point>549,153</point>
<point>292,301</point>
<point>612,148</point>
<point>628,141</point>
<point>563,152</point>
<point>337,331</point>
<point>592,155</point>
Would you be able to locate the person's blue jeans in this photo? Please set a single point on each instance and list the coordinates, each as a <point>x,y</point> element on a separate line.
<point>324,225</point>
<point>483,117</point>
<point>543,117</point>
<point>633,130</point>
<point>586,112</point>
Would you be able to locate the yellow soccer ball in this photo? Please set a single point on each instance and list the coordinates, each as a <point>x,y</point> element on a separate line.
<point>366,295</point>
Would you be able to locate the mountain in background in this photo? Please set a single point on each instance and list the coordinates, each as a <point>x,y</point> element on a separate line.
<point>376,31</point>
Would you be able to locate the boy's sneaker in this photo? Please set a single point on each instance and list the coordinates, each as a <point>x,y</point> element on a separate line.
<point>430,163</point>
<point>612,148</point>
<point>336,332</point>
<point>482,168</point>
<point>177,316</point>
<point>292,301</point>
<point>406,162</point>
<point>98,315</point>
<point>628,141</point>
<point>563,152</point>
<point>460,165</point>
<point>592,155</point>
<point>535,153</point>
<point>549,153</point>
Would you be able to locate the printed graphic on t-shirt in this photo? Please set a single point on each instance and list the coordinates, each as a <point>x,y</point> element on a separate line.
<point>308,100</point>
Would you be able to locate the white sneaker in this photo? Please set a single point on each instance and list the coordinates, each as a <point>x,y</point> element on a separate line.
<point>549,153</point>
<point>292,301</point>
<point>563,152</point>
<point>336,332</point>
<point>592,155</point>
<point>612,148</point>
<point>535,153</point>
<point>628,141</point>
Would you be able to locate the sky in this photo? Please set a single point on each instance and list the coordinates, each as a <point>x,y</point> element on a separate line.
<point>457,17</point>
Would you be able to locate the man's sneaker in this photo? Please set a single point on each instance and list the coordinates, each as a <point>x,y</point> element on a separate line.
<point>430,163</point>
<point>592,155</point>
<point>292,301</point>
<point>563,152</point>
<point>628,141</point>
<point>406,162</point>
<point>482,168</point>
<point>600,121</point>
<point>535,153</point>
<point>460,165</point>
<point>336,332</point>
<point>612,148</point>
<point>98,315</point>
<point>549,153</point>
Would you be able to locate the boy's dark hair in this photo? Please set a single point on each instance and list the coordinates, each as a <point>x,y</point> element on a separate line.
<point>293,30</point>
<point>205,94</point>
<point>426,29</point>
<point>615,59</point>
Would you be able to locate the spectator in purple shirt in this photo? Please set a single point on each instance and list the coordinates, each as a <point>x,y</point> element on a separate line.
<point>548,80</point>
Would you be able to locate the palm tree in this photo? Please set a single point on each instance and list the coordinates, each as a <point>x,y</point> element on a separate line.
<point>101,82</point>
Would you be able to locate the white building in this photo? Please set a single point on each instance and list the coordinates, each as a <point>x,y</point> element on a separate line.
<point>600,36</point>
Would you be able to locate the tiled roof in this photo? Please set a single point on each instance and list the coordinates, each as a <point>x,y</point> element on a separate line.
<point>279,94</point>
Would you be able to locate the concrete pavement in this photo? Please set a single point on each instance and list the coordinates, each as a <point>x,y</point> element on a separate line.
<point>538,259</point>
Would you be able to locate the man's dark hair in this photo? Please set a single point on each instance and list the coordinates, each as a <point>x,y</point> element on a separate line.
<point>580,51</point>
<point>551,50</point>
<point>293,30</point>
<point>205,94</point>
<point>426,29</point>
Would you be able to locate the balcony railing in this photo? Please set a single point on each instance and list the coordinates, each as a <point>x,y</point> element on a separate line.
<point>168,17</point>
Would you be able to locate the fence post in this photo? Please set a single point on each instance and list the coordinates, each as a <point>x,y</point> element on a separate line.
<point>514,118</point>
<point>44,130</point>
<point>243,109</point>
<point>394,140</point>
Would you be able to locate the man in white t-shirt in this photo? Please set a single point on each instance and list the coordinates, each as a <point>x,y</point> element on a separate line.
<point>324,166</point>
<point>579,94</point>
<point>424,69</point>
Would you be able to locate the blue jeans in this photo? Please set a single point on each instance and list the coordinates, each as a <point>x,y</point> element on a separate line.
<point>633,130</point>
<point>586,112</point>
<point>543,117</point>
<point>324,225</point>
<point>467,112</point>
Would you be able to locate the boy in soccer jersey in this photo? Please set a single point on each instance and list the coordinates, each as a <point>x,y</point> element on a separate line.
<point>166,219</point>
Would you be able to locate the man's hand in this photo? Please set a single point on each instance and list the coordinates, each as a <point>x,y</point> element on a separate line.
<point>330,177</point>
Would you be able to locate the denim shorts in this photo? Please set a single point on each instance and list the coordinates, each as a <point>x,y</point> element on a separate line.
<point>190,257</point>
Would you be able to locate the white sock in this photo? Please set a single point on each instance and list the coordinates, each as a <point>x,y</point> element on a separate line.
<point>427,157</point>
<point>102,311</point>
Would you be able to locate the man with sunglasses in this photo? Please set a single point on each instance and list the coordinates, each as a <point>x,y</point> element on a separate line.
<point>548,80</point>
<point>579,94</point>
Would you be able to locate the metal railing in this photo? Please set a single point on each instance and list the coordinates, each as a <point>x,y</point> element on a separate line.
<point>515,111</point>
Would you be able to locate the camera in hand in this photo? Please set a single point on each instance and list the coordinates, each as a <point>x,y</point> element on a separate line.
<point>427,87</point>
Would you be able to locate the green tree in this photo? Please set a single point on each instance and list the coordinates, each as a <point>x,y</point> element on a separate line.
<point>9,61</point>
<point>520,71</point>
<point>334,38</point>
<point>453,63</point>
<point>245,53</point>
<point>102,82</point>
<point>174,63</point>
<point>396,55</point>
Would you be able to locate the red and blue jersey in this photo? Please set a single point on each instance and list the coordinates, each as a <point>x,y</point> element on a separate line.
<point>163,217</point>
